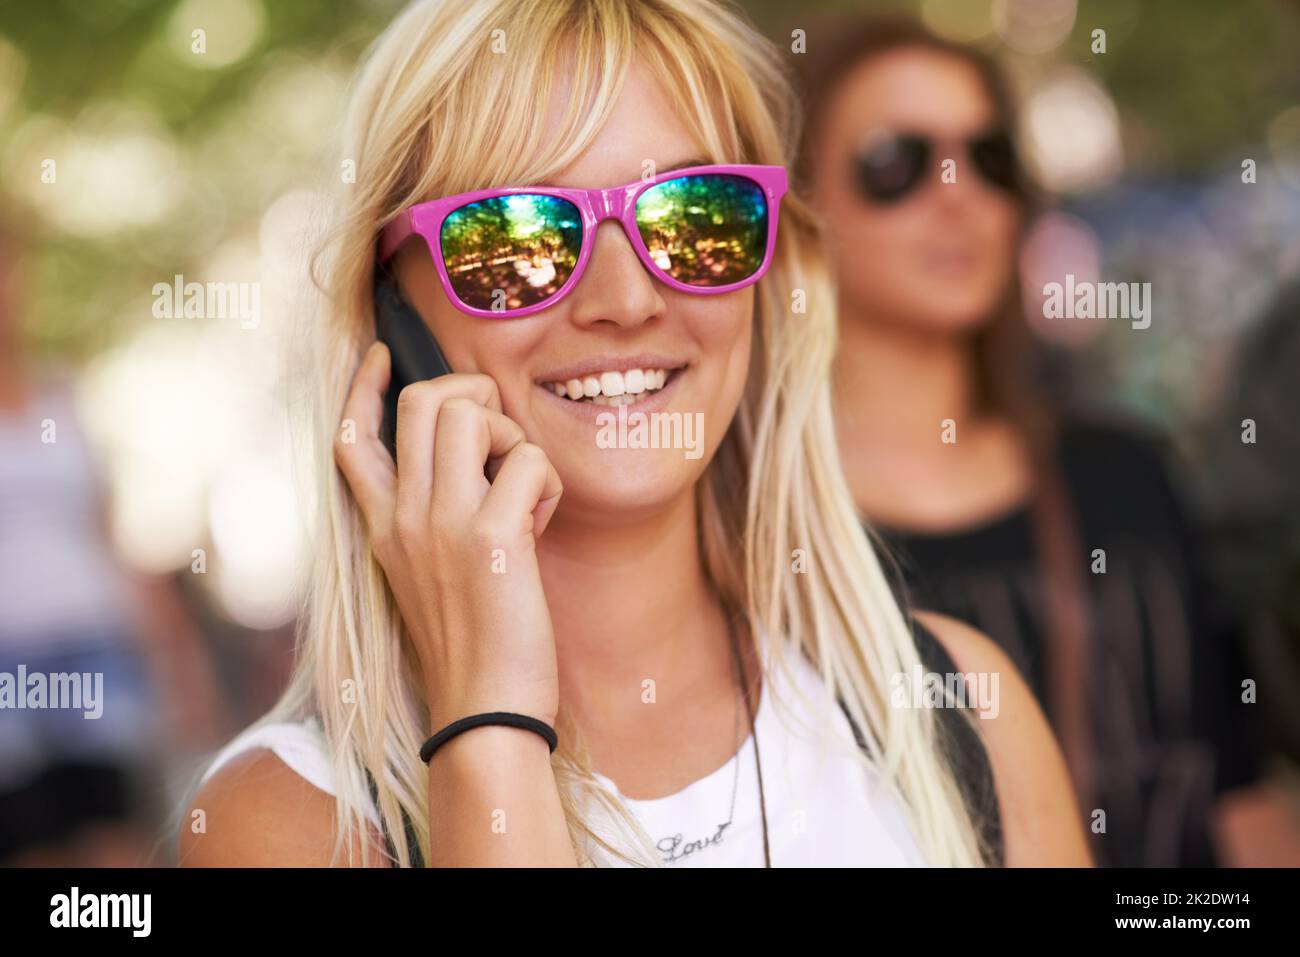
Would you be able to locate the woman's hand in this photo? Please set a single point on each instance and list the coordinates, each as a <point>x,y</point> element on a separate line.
<point>458,550</point>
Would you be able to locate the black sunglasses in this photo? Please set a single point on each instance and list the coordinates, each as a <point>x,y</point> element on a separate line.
<point>889,166</point>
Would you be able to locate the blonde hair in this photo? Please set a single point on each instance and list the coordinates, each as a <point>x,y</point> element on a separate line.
<point>425,119</point>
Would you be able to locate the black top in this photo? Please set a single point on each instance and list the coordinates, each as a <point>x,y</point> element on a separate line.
<point>1167,720</point>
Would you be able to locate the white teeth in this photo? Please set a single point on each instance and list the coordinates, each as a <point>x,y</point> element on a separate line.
<point>611,388</point>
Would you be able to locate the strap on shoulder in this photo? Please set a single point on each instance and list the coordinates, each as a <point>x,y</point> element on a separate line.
<point>962,746</point>
<point>965,750</point>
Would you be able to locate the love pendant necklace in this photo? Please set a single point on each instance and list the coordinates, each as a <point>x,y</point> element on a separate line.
<point>676,848</point>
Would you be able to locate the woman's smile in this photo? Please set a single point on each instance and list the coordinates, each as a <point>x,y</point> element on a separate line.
<point>645,382</point>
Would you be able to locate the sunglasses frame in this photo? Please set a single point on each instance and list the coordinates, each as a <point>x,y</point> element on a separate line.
<point>595,205</point>
<point>935,147</point>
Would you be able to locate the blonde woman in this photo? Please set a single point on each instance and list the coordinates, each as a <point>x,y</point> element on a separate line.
<point>703,661</point>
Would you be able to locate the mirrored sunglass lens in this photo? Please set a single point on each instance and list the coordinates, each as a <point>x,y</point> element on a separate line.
<point>511,252</point>
<point>888,170</point>
<point>706,230</point>
<point>995,158</point>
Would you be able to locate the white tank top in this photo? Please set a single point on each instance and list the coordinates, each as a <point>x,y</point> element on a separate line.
<point>823,808</point>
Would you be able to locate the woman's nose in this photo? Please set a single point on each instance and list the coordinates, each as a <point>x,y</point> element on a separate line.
<point>615,287</point>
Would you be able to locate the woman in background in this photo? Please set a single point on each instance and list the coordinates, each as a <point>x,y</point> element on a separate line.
<point>998,505</point>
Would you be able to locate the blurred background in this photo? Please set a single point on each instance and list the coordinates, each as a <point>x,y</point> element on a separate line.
<point>171,520</point>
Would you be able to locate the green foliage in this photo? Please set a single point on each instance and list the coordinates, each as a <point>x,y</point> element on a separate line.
<point>1194,79</point>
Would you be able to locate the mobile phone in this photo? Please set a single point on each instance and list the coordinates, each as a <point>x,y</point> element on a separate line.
<point>415,352</point>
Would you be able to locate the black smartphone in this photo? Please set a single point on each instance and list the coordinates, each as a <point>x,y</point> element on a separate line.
<point>415,353</point>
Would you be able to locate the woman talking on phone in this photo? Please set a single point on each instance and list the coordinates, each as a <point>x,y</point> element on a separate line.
<point>524,647</point>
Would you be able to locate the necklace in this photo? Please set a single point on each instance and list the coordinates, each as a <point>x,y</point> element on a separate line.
<point>675,848</point>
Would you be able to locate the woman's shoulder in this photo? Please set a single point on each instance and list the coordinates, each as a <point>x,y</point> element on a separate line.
<point>300,745</point>
<point>266,799</point>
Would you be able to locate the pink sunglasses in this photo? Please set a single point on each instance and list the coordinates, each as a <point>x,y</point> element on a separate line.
<point>511,252</point>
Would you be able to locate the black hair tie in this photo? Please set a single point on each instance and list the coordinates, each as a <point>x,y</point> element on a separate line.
<point>491,717</point>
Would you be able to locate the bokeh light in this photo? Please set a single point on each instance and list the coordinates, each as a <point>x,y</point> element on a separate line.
<point>231,29</point>
<point>1034,26</point>
<point>1073,129</point>
<point>960,20</point>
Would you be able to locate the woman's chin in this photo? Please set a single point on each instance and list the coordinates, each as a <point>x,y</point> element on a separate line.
<point>624,484</point>
<point>953,315</point>
<point>960,306</point>
<point>958,321</point>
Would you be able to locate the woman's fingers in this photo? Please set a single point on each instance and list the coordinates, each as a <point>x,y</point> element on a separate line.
<point>469,437</point>
<point>526,483</point>
<point>418,406</point>
<point>449,430</point>
<point>361,456</point>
